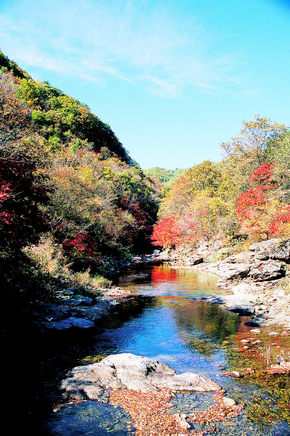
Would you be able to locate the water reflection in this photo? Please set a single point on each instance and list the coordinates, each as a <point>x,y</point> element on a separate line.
<point>165,281</point>
<point>127,311</point>
<point>209,319</point>
<point>177,331</point>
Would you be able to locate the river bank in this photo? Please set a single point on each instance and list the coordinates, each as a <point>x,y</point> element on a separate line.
<point>255,282</point>
<point>170,320</point>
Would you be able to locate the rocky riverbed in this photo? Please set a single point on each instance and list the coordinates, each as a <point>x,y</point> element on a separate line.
<point>128,371</point>
<point>255,284</point>
<point>144,388</point>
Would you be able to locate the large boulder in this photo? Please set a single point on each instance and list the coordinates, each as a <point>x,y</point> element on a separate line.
<point>128,371</point>
<point>263,262</point>
<point>268,270</point>
<point>272,249</point>
<point>231,271</point>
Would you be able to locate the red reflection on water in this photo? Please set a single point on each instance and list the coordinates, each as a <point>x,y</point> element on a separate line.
<point>163,274</point>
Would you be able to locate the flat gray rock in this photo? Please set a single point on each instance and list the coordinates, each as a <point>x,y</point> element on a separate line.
<point>128,371</point>
<point>268,270</point>
<point>272,249</point>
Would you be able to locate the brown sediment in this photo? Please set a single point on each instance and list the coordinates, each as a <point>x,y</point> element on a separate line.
<point>223,409</point>
<point>150,412</point>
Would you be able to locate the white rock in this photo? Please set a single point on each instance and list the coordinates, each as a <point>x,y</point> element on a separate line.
<point>127,371</point>
<point>228,402</point>
<point>256,331</point>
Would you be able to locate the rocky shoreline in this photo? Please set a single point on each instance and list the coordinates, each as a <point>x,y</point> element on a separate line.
<point>258,295</point>
<point>255,281</point>
<point>251,281</point>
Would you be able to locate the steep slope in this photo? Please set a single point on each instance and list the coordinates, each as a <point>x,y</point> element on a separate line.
<point>65,177</point>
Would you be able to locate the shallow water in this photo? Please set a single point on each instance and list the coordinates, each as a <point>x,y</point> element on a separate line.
<point>169,324</point>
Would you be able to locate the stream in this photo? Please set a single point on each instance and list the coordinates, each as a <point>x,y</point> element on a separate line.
<point>168,321</point>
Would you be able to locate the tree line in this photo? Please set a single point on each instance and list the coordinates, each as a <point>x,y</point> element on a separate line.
<point>246,196</point>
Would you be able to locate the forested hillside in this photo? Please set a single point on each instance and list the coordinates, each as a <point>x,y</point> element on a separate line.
<point>243,198</point>
<point>71,197</point>
<point>164,175</point>
<point>70,193</point>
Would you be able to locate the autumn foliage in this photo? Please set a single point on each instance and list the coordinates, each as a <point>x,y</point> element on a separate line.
<point>165,233</point>
<point>245,196</point>
<point>65,176</point>
<point>258,211</point>
<point>21,219</point>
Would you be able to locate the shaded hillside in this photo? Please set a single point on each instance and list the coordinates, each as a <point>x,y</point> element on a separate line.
<point>65,177</point>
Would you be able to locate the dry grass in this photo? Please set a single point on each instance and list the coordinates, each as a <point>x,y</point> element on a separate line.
<point>49,259</point>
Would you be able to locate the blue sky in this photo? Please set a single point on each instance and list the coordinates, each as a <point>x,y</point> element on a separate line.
<point>173,78</point>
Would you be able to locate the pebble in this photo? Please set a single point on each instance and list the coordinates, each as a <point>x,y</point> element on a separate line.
<point>284,334</point>
<point>228,402</point>
<point>236,374</point>
<point>256,331</point>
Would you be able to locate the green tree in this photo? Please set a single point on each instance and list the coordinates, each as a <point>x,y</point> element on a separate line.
<point>250,149</point>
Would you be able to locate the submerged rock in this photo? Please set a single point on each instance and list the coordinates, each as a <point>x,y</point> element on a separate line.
<point>128,371</point>
<point>252,323</point>
<point>70,323</point>
<point>228,402</point>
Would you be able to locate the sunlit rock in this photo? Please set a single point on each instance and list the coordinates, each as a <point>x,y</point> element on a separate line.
<point>127,371</point>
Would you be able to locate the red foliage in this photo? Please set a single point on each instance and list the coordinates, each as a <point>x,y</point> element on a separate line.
<point>253,197</point>
<point>276,226</point>
<point>83,243</point>
<point>7,217</point>
<point>263,174</point>
<point>188,228</point>
<point>5,191</point>
<point>165,233</point>
<point>254,206</point>
<point>21,221</point>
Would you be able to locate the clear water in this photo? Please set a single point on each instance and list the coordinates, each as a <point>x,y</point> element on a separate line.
<point>169,323</point>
